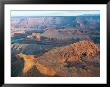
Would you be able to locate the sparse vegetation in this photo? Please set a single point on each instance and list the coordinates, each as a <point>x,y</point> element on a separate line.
<point>55,46</point>
<point>63,61</point>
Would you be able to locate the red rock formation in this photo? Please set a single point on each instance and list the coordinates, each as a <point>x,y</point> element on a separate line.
<point>30,61</point>
<point>76,56</point>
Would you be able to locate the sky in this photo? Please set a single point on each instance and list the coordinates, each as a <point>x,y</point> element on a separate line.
<point>52,13</point>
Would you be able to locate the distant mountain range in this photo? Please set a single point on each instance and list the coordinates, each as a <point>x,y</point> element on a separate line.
<point>85,21</point>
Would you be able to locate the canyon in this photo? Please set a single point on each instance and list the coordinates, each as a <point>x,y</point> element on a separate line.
<point>55,46</point>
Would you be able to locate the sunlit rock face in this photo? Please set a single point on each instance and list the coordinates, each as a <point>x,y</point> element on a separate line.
<point>77,59</point>
<point>55,46</point>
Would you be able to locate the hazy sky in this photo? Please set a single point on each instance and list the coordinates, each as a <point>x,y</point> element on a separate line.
<point>52,13</point>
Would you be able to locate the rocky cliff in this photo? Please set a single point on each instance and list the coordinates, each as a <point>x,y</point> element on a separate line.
<point>77,59</point>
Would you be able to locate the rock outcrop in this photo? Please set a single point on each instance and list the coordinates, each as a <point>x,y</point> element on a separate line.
<point>56,34</point>
<point>76,59</point>
<point>31,61</point>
